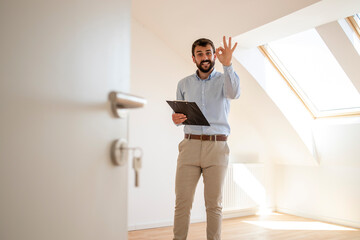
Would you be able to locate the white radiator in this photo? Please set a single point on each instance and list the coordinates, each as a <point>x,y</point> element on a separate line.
<point>244,187</point>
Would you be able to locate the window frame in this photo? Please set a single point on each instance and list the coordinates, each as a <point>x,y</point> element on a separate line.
<point>266,51</point>
<point>354,24</point>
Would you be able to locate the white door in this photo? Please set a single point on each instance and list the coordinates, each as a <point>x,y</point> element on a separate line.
<point>59,59</point>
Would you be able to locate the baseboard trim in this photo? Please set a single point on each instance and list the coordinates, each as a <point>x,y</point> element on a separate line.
<point>343,222</point>
<point>239,212</point>
<point>226,214</point>
<point>148,226</point>
<point>158,224</point>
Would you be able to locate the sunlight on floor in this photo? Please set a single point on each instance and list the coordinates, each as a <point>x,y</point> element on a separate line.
<point>298,225</point>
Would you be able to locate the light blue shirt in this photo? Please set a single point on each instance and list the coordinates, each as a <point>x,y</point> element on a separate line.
<point>213,96</point>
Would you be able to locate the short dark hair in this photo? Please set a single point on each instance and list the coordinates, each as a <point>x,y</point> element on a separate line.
<point>203,42</point>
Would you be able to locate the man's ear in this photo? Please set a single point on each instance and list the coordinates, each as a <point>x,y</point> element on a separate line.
<point>193,59</point>
<point>215,56</point>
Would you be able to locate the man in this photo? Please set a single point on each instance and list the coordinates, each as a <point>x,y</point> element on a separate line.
<point>204,149</point>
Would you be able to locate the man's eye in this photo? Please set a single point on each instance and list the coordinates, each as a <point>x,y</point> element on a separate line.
<point>200,55</point>
<point>209,53</point>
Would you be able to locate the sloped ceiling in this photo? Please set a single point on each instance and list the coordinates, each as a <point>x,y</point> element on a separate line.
<point>179,23</point>
<point>342,50</point>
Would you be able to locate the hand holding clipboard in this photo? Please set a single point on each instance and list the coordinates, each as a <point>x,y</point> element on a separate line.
<point>192,112</point>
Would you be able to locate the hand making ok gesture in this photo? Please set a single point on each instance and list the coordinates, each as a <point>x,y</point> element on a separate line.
<point>224,54</point>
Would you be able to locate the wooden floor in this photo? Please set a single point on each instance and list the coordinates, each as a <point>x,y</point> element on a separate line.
<point>274,226</point>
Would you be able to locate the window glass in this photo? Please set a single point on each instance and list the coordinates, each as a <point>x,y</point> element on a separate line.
<point>357,19</point>
<point>314,72</point>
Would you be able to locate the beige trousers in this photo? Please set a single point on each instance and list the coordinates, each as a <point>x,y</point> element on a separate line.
<point>196,157</point>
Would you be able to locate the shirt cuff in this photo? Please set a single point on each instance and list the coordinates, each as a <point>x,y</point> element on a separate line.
<point>227,68</point>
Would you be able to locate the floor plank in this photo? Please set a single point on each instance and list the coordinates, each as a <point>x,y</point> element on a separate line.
<point>274,226</point>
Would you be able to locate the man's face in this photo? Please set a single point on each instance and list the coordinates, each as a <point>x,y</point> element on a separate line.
<point>204,58</point>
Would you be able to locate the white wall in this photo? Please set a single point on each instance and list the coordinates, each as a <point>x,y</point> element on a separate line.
<point>330,191</point>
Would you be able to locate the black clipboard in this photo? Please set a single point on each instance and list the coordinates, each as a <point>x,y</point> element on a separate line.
<point>191,110</point>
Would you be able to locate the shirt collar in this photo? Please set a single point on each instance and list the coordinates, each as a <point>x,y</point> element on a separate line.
<point>210,76</point>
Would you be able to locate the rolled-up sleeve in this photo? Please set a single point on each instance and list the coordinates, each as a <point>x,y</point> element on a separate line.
<point>179,96</point>
<point>179,93</point>
<point>231,83</point>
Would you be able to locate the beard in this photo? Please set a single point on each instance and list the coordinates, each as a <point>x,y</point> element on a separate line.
<point>208,68</point>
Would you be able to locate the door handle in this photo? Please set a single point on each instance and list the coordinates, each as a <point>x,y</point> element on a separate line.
<point>121,102</point>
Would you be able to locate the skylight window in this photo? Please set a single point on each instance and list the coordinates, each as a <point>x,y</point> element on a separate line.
<point>357,18</point>
<point>351,26</point>
<point>314,74</point>
<point>355,22</point>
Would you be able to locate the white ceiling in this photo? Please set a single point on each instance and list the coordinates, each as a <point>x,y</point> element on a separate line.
<point>316,15</point>
<point>179,23</point>
<point>252,22</point>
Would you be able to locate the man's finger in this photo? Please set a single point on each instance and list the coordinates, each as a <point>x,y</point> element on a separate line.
<point>229,42</point>
<point>224,41</point>
<point>177,116</point>
<point>219,49</point>
<point>181,120</point>
<point>234,47</point>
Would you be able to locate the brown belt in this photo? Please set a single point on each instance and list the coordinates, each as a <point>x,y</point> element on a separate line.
<point>206,137</point>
